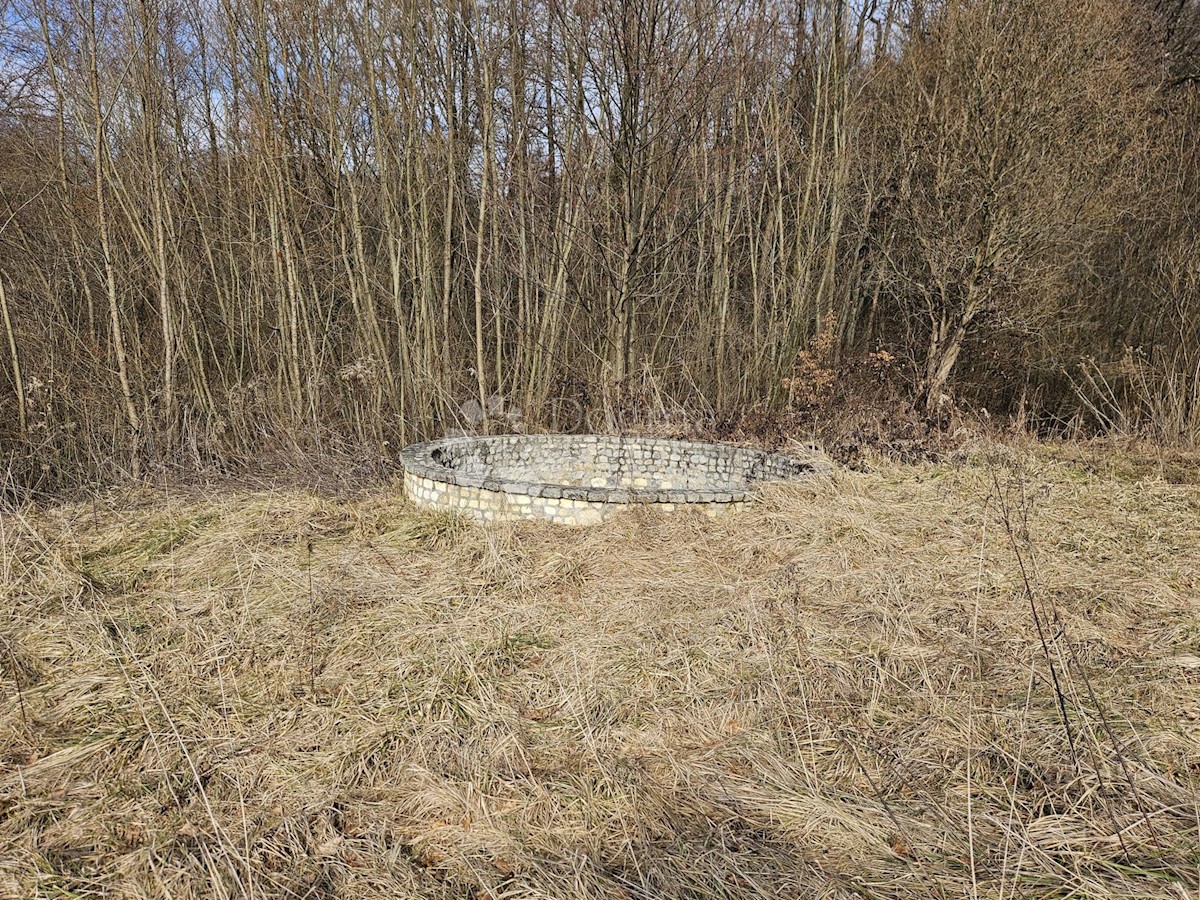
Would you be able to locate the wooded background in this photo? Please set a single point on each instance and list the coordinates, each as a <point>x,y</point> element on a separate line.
<point>233,226</point>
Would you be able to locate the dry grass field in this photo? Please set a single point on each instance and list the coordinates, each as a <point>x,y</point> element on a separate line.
<point>975,678</point>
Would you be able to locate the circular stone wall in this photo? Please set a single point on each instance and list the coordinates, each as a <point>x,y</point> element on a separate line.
<point>580,479</point>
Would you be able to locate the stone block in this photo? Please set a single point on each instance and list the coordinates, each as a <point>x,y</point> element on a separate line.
<point>582,479</point>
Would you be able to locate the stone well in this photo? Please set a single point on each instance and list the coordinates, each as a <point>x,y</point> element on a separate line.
<point>581,479</point>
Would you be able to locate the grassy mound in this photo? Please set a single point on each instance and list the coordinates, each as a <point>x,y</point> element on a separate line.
<point>977,678</point>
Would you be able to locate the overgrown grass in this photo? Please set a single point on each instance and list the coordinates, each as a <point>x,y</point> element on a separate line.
<point>840,693</point>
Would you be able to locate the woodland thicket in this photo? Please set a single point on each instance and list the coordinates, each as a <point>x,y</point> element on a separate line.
<point>233,226</point>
